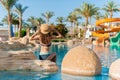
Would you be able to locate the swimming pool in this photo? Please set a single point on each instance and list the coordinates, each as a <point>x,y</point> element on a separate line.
<point>107,56</point>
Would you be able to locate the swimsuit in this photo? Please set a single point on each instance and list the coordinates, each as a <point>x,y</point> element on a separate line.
<point>48,45</point>
<point>44,55</point>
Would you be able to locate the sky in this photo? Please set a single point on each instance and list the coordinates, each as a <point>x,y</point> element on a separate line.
<point>59,7</point>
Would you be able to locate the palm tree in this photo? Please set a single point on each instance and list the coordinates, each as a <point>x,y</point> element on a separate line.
<point>87,11</point>
<point>5,20</point>
<point>111,7</point>
<point>35,22</point>
<point>93,11</point>
<point>39,21</point>
<point>97,16</point>
<point>14,20</point>
<point>20,10</point>
<point>73,18</point>
<point>27,27</point>
<point>106,15</point>
<point>60,20</point>
<point>8,4</point>
<point>48,15</point>
<point>84,10</point>
<point>70,19</point>
<point>32,20</point>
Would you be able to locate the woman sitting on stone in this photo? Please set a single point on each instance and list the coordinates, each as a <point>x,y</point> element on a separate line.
<point>44,37</point>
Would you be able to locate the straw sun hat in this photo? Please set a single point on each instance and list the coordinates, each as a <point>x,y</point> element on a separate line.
<point>45,28</point>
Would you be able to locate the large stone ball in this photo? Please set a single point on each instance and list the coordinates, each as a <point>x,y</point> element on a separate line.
<point>114,70</point>
<point>81,61</point>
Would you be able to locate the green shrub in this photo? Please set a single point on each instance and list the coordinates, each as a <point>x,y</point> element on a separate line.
<point>58,40</point>
<point>61,40</point>
<point>55,40</point>
<point>23,33</point>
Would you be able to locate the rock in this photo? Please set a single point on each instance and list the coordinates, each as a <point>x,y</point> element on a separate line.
<point>14,39</point>
<point>17,55</point>
<point>25,40</point>
<point>81,61</point>
<point>24,60</point>
<point>12,45</point>
<point>31,65</point>
<point>114,70</point>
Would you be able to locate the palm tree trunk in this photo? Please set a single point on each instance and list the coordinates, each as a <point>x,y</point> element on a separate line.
<point>9,25</point>
<point>47,21</point>
<point>111,14</point>
<point>74,29</point>
<point>85,27</point>
<point>28,32</point>
<point>90,21</point>
<point>86,21</point>
<point>71,24</point>
<point>20,27</point>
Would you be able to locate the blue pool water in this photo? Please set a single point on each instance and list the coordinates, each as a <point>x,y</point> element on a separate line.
<point>107,56</point>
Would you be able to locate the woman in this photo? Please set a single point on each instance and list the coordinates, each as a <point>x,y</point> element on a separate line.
<point>44,37</point>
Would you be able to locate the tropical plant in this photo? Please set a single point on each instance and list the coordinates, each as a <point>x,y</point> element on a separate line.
<point>87,11</point>
<point>93,11</point>
<point>14,21</point>
<point>60,20</point>
<point>20,10</point>
<point>84,10</point>
<point>35,22</point>
<point>32,21</point>
<point>27,27</point>
<point>111,7</point>
<point>23,33</point>
<point>73,18</point>
<point>39,21</point>
<point>70,19</point>
<point>8,5</point>
<point>97,16</point>
<point>62,29</point>
<point>48,15</point>
<point>106,15</point>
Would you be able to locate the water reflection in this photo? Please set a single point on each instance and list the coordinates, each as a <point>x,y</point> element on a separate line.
<point>107,54</point>
<point>97,77</point>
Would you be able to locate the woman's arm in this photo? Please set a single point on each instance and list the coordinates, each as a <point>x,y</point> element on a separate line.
<point>58,36</point>
<point>35,35</point>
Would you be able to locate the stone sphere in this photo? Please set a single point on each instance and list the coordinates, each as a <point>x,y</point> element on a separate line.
<point>81,61</point>
<point>114,70</point>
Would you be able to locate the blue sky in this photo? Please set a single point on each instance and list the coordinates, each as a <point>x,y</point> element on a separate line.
<point>59,7</point>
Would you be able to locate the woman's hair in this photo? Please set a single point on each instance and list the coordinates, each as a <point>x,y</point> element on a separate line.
<point>45,38</point>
